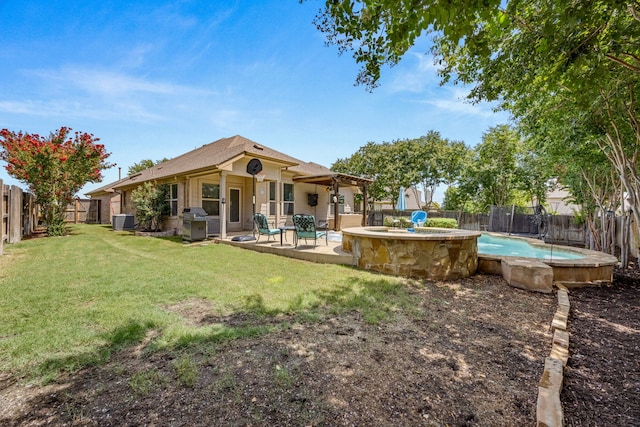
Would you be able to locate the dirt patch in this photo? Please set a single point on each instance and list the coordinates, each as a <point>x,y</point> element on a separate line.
<point>468,353</point>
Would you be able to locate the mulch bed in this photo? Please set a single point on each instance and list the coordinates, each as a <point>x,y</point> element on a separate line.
<point>602,378</point>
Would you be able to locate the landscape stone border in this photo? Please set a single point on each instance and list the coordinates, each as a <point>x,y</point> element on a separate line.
<point>549,411</point>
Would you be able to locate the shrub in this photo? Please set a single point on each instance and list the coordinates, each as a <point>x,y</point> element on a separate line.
<point>404,222</point>
<point>442,222</point>
<point>151,205</point>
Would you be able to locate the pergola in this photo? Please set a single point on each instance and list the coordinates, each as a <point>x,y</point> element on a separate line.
<point>335,180</point>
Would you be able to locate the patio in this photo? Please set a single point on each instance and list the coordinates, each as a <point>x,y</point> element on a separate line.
<point>329,253</point>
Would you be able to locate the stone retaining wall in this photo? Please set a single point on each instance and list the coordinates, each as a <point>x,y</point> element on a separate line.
<point>549,411</point>
<point>433,258</point>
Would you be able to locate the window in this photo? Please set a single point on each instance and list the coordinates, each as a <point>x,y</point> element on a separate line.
<point>211,199</point>
<point>173,199</point>
<point>272,198</point>
<point>340,204</point>
<point>287,199</point>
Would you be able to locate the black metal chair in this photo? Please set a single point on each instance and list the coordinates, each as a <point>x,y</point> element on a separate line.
<point>263,226</point>
<point>306,229</point>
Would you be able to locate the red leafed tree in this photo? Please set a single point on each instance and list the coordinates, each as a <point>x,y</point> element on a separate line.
<point>54,168</point>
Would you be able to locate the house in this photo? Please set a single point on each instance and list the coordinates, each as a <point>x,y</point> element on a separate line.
<point>414,201</point>
<point>558,201</point>
<point>217,178</point>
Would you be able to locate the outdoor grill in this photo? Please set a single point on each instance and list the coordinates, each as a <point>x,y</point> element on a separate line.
<point>194,224</point>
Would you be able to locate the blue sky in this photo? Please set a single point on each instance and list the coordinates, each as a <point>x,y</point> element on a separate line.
<point>155,79</point>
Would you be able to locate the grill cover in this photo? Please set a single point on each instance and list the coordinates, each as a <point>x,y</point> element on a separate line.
<point>194,224</point>
<point>194,214</point>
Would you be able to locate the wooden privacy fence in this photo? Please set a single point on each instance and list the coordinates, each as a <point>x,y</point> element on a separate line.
<point>83,211</point>
<point>19,214</point>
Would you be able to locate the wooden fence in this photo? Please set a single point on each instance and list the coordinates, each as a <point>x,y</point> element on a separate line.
<point>83,211</point>
<point>19,214</point>
<point>557,228</point>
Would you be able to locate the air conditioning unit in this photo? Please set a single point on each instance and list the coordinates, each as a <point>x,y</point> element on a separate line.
<point>122,222</point>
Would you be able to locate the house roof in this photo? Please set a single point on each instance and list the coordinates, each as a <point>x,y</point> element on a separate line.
<point>214,156</point>
<point>333,177</point>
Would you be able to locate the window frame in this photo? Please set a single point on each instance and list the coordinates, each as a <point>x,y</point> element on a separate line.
<point>173,201</point>
<point>273,203</point>
<point>287,206</point>
<point>215,201</point>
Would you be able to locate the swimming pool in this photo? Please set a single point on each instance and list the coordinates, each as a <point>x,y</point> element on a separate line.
<point>505,246</point>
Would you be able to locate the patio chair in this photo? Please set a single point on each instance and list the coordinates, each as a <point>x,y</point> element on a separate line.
<point>306,229</point>
<point>262,225</point>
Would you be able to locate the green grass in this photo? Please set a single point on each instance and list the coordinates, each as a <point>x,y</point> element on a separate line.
<point>69,302</point>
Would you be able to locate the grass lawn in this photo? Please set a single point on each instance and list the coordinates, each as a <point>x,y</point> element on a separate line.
<point>69,302</point>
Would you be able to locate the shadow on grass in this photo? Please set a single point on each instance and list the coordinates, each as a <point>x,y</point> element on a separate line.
<point>124,336</point>
<point>376,300</point>
<point>134,333</point>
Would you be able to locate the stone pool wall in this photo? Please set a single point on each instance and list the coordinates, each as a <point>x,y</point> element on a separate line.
<point>594,268</point>
<point>449,254</point>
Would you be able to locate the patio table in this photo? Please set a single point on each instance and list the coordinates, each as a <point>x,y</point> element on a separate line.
<point>283,229</point>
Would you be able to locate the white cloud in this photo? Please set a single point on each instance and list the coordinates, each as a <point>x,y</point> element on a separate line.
<point>109,83</point>
<point>77,92</point>
<point>415,73</point>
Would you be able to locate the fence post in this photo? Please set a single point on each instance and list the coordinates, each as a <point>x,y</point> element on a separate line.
<point>15,214</point>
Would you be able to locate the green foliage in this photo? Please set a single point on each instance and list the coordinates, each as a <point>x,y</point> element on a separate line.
<point>425,162</point>
<point>397,221</point>
<point>55,168</point>
<point>145,382</point>
<point>380,32</point>
<point>404,222</point>
<point>186,370</point>
<point>567,71</point>
<point>441,223</point>
<point>502,172</point>
<point>151,205</point>
<point>144,164</point>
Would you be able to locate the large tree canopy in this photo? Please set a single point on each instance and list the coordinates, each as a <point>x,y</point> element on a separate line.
<point>380,32</point>
<point>565,69</point>
<point>426,162</point>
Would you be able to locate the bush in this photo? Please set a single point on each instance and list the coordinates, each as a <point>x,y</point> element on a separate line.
<point>397,221</point>
<point>404,222</point>
<point>442,223</point>
<point>151,205</point>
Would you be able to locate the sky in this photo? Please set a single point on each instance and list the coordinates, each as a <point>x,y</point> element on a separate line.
<point>156,79</point>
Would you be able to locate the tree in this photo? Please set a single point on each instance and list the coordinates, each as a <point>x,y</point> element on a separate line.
<point>500,173</point>
<point>401,163</point>
<point>143,164</point>
<point>54,168</point>
<point>580,56</point>
<point>380,32</point>
<point>151,205</point>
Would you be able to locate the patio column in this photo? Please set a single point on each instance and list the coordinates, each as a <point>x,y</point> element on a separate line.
<point>364,189</point>
<point>279,199</point>
<point>223,207</point>
<point>336,205</point>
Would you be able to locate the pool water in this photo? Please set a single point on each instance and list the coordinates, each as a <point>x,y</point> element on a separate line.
<point>491,245</point>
